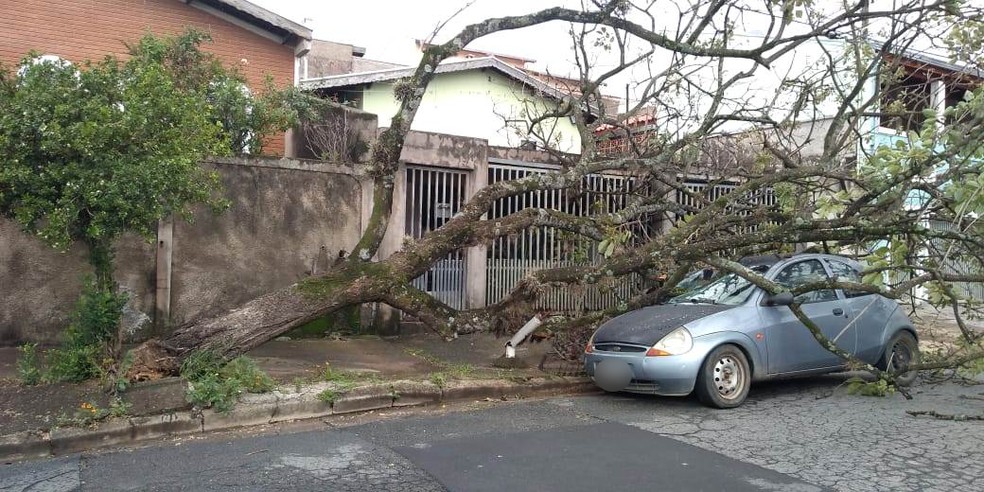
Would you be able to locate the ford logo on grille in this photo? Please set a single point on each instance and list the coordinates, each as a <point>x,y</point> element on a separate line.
<point>616,349</point>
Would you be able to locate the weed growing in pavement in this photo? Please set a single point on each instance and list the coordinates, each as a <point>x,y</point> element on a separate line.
<point>329,395</point>
<point>114,378</point>
<point>249,375</point>
<point>86,415</point>
<point>119,407</point>
<point>28,364</point>
<point>349,379</point>
<point>217,385</point>
<point>439,379</point>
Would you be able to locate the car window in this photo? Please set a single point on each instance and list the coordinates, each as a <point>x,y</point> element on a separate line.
<point>843,271</point>
<point>730,289</point>
<point>805,272</point>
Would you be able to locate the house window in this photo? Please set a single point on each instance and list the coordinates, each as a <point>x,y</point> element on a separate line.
<point>903,102</point>
<point>904,99</point>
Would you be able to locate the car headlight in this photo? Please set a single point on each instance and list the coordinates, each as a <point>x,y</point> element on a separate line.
<point>676,342</point>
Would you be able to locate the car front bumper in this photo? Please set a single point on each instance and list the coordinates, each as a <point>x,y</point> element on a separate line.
<point>673,375</point>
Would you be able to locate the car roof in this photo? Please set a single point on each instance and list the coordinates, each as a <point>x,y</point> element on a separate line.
<point>769,261</point>
<point>761,260</point>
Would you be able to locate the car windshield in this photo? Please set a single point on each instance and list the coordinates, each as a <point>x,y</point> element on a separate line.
<point>730,290</point>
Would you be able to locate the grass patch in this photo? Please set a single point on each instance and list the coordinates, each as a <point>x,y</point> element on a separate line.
<point>449,370</point>
<point>329,395</point>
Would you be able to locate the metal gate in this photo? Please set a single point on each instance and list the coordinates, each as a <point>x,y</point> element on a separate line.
<point>433,197</point>
<point>742,206</point>
<point>511,258</point>
<point>956,260</point>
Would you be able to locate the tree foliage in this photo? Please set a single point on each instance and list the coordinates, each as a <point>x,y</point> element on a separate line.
<point>112,146</point>
<point>765,97</point>
<point>92,151</point>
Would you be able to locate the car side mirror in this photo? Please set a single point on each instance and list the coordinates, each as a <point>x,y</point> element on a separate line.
<point>780,299</point>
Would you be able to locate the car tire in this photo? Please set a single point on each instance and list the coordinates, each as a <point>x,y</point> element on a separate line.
<point>901,352</point>
<point>724,378</point>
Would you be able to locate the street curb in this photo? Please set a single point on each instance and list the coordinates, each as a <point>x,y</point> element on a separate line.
<point>278,407</point>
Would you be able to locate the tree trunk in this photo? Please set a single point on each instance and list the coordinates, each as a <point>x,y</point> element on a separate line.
<point>248,326</point>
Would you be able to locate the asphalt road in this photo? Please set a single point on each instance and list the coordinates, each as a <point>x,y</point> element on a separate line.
<point>796,436</point>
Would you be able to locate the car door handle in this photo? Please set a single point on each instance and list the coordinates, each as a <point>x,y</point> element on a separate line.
<point>838,312</point>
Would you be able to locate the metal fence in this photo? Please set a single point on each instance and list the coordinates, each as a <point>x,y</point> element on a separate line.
<point>511,258</point>
<point>433,197</point>
<point>955,262</point>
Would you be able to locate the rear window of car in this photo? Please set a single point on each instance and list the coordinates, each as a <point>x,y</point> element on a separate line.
<point>843,271</point>
<point>805,272</point>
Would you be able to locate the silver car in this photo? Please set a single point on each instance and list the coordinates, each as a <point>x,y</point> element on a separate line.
<point>716,339</point>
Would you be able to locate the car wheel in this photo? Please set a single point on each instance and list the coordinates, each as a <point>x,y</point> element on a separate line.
<point>901,353</point>
<point>724,378</point>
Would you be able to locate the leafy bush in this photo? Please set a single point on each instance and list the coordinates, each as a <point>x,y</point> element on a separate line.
<point>216,384</point>
<point>73,364</point>
<point>249,375</point>
<point>95,323</point>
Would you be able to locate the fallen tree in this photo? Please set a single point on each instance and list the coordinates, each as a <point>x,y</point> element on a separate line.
<point>832,192</point>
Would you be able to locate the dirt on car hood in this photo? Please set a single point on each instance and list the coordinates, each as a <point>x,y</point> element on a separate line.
<point>648,325</point>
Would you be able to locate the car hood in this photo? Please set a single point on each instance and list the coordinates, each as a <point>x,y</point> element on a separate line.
<point>648,325</point>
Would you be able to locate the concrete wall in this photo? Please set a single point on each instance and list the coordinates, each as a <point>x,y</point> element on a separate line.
<point>327,58</point>
<point>476,103</point>
<point>287,218</point>
<point>39,285</point>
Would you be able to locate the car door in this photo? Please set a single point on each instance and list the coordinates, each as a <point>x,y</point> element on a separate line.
<point>791,346</point>
<point>869,312</point>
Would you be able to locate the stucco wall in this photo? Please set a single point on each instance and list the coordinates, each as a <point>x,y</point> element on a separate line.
<point>283,213</point>
<point>475,103</point>
<point>39,285</point>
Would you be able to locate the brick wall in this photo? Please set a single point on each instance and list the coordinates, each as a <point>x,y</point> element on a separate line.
<point>78,30</point>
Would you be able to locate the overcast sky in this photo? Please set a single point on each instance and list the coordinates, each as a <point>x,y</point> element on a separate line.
<point>388,28</point>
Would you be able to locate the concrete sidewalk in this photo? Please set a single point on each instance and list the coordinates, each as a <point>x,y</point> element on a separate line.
<point>400,371</point>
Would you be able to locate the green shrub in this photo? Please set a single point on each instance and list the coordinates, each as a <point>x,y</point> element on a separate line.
<point>73,363</point>
<point>28,365</point>
<point>95,324</point>
<point>97,316</point>
<point>249,375</point>
<point>216,384</point>
<point>212,391</point>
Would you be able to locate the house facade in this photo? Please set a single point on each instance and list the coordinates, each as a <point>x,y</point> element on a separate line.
<point>258,42</point>
<point>484,98</point>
